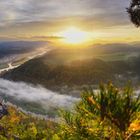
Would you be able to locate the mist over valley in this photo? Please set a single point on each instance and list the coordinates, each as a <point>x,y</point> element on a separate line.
<point>63,73</point>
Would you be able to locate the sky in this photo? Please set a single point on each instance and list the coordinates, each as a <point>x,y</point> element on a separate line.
<point>105,20</point>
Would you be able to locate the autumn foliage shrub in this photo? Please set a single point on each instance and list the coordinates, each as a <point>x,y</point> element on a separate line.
<point>109,113</point>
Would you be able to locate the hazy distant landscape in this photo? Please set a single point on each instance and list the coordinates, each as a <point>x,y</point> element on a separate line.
<point>92,65</point>
<point>15,53</point>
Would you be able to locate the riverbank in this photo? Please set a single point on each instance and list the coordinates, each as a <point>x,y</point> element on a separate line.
<point>12,65</point>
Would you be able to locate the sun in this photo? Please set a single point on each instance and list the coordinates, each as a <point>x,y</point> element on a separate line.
<point>74,35</point>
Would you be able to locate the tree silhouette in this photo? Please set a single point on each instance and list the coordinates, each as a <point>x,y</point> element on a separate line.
<point>134,12</point>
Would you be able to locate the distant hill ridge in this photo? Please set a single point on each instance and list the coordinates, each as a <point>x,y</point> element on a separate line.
<point>72,67</point>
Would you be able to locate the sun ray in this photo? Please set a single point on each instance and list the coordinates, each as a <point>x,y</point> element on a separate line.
<point>74,35</point>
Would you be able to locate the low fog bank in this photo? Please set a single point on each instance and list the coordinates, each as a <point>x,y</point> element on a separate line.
<point>23,92</point>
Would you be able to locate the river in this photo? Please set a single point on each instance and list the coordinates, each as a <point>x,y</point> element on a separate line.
<point>11,66</point>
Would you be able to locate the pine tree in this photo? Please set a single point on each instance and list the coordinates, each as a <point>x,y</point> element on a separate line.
<point>134,12</point>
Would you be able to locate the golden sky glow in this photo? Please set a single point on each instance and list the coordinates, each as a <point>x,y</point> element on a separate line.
<point>67,21</point>
<point>73,35</point>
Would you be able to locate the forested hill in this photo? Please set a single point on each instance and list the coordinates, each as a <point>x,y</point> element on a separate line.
<point>80,72</point>
<point>85,66</point>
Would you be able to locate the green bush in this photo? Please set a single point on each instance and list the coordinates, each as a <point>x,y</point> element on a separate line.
<point>109,113</point>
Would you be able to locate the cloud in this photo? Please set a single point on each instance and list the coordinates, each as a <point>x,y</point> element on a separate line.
<point>19,11</point>
<point>22,19</point>
<point>46,37</point>
<point>21,91</point>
